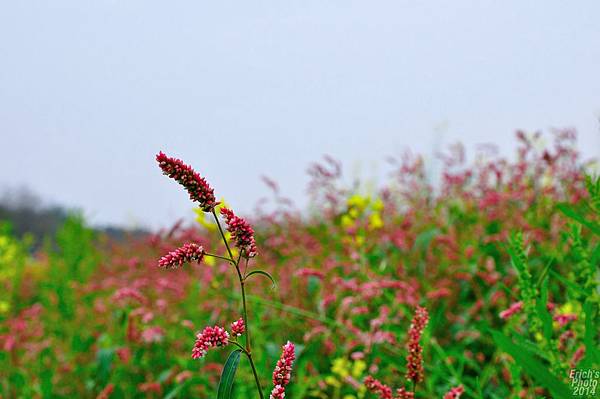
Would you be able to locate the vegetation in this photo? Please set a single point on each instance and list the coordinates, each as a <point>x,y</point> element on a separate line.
<point>482,286</point>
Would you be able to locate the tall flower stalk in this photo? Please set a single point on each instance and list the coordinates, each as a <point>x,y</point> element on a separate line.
<point>414,363</point>
<point>242,236</point>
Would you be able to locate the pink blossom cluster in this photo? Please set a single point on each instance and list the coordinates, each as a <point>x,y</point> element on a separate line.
<point>377,387</point>
<point>210,337</point>
<point>238,327</point>
<point>283,371</point>
<point>125,293</point>
<point>196,186</point>
<point>414,359</point>
<point>241,232</point>
<point>454,393</point>
<point>402,393</point>
<point>189,252</point>
<point>512,310</point>
<point>385,392</point>
<point>564,319</point>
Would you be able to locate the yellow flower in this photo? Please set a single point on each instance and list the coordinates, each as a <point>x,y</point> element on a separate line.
<point>358,368</point>
<point>567,307</point>
<point>341,367</point>
<point>359,240</point>
<point>347,221</point>
<point>375,221</point>
<point>207,221</point>
<point>538,336</point>
<point>4,306</point>
<point>357,201</point>
<point>377,205</point>
<point>331,380</point>
<point>209,261</point>
<point>354,213</point>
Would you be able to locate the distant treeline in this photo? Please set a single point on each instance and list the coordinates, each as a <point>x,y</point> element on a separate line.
<point>24,211</point>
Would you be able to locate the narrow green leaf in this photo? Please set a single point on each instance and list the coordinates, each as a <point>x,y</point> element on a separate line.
<point>175,391</point>
<point>591,349</point>
<point>423,240</point>
<point>530,365</point>
<point>595,255</point>
<point>567,283</point>
<point>228,375</point>
<point>262,273</point>
<point>542,310</point>
<point>572,213</point>
<point>544,272</point>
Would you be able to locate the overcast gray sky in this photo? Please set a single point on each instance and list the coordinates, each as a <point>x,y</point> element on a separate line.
<point>91,90</point>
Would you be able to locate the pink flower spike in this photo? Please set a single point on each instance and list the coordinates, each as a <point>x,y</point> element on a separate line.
<point>283,371</point>
<point>187,253</point>
<point>196,186</point>
<point>238,327</point>
<point>454,393</point>
<point>153,334</point>
<point>375,386</point>
<point>414,359</point>
<point>241,232</point>
<point>278,392</point>
<point>402,393</point>
<point>512,310</point>
<point>210,337</point>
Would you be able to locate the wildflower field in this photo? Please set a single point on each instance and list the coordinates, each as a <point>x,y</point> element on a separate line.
<point>483,284</point>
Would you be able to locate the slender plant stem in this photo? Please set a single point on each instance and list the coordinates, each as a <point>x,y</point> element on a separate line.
<point>220,257</point>
<point>248,349</point>
<point>246,268</point>
<point>260,392</point>
<point>239,346</point>
<point>222,234</point>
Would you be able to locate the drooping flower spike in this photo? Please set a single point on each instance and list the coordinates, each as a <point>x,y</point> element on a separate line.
<point>187,253</point>
<point>283,371</point>
<point>210,337</point>
<point>241,232</point>
<point>414,359</point>
<point>196,186</point>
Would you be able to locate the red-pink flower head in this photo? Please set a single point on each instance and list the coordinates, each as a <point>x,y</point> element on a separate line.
<point>189,252</point>
<point>454,393</point>
<point>278,392</point>
<point>512,310</point>
<point>196,186</point>
<point>414,359</point>
<point>377,387</point>
<point>402,393</point>
<point>210,337</point>
<point>238,327</point>
<point>241,232</point>
<point>283,371</point>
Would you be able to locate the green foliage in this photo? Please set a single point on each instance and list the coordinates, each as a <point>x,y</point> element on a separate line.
<point>87,316</point>
<point>228,375</point>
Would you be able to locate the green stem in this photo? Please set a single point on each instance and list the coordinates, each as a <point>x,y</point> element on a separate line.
<point>256,379</point>
<point>222,234</point>
<point>248,349</point>
<point>220,257</point>
<point>249,355</point>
